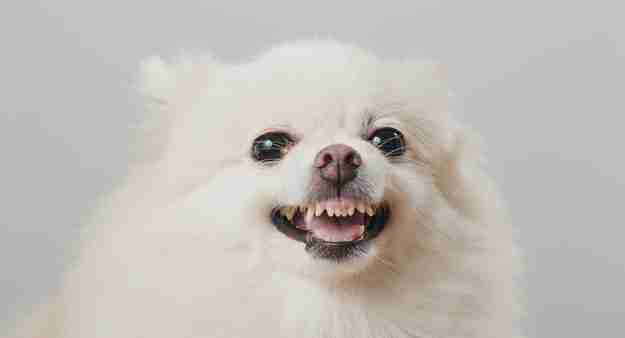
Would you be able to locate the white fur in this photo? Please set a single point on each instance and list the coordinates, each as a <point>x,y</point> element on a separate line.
<point>185,248</point>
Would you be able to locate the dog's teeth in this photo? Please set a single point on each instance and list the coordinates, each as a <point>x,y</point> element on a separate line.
<point>310,214</point>
<point>318,210</point>
<point>345,209</point>
<point>361,207</point>
<point>290,213</point>
<point>361,231</point>
<point>350,205</point>
<point>370,210</point>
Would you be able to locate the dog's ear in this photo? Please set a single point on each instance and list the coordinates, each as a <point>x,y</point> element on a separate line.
<point>426,114</point>
<point>434,70</point>
<point>169,87</point>
<point>452,148</point>
<point>176,81</point>
<point>431,82</point>
<point>463,182</point>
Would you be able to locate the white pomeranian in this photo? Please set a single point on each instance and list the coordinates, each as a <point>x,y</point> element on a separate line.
<point>315,191</point>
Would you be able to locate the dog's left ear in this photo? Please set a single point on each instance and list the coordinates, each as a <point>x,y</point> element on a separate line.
<point>427,111</point>
<point>429,79</point>
<point>437,71</point>
<point>460,177</point>
<point>454,150</point>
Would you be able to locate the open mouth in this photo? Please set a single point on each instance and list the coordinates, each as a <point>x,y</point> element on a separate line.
<point>332,229</point>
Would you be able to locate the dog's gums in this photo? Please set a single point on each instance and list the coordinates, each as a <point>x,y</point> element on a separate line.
<point>332,229</point>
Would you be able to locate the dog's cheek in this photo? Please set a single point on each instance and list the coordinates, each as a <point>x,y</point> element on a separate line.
<point>293,178</point>
<point>412,186</point>
<point>375,171</point>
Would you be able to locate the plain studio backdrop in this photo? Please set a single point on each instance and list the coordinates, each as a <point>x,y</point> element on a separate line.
<point>541,80</point>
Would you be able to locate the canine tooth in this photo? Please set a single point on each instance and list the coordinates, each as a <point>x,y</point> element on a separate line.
<point>361,207</point>
<point>310,214</point>
<point>361,231</point>
<point>351,210</point>
<point>318,210</point>
<point>370,210</point>
<point>330,212</point>
<point>290,213</point>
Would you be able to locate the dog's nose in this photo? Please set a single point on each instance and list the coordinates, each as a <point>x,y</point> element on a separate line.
<point>338,163</point>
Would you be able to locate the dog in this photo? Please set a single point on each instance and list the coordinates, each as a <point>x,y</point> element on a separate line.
<point>316,190</point>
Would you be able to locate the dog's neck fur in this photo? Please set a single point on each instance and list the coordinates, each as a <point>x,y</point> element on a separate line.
<point>315,310</point>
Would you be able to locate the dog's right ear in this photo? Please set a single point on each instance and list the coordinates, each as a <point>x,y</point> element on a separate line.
<point>169,88</point>
<point>174,82</point>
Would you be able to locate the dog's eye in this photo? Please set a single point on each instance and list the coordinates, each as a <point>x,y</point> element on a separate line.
<point>389,140</point>
<point>271,146</point>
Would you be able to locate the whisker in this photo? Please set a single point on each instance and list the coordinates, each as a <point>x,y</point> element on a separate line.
<point>410,161</point>
<point>392,267</point>
<point>397,150</point>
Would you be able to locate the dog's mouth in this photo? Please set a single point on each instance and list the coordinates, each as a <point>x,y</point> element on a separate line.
<point>332,228</point>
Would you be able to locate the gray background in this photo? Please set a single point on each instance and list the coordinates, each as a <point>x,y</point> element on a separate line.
<point>542,81</point>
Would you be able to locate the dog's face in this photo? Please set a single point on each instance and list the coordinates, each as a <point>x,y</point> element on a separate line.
<point>335,184</point>
<point>326,166</point>
<point>343,185</point>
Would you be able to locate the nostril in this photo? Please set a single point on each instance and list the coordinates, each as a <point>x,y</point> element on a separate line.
<point>353,159</point>
<point>327,159</point>
<point>323,159</point>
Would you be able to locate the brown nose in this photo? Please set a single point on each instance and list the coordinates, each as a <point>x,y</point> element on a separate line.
<point>338,163</point>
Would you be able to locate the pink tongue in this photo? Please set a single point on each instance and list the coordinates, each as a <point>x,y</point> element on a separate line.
<point>341,229</point>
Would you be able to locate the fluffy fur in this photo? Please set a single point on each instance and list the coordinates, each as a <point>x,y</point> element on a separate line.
<point>186,248</point>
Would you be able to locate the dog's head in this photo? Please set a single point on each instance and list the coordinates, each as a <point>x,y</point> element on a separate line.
<point>324,158</point>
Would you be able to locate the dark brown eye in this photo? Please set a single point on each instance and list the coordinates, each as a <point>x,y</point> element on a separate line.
<point>390,141</point>
<point>271,146</point>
